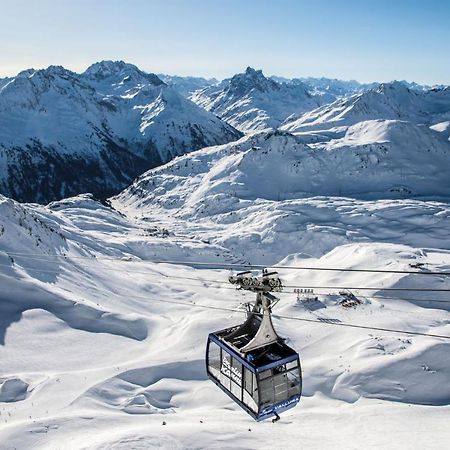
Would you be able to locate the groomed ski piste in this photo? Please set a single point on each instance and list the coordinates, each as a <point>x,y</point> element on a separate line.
<point>102,347</point>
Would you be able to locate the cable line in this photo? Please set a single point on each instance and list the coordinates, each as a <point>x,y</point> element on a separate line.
<point>324,321</point>
<point>352,288</point>
<point>375,288</point>
<point>351,325</point>
<point>230,265</point>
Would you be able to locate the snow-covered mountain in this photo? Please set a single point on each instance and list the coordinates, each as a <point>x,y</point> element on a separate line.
<point>4,81</point>
<point>79,274</point>
<point>249,101</point>
<point>392,101</point>
<point>373,159</point>
<point>62,133</point>
<point>154,114</point>
<point>186,86</point>
<point>328,89</point>
<point>332,88</point>
<point>422,87</point>
<point>118,77</point>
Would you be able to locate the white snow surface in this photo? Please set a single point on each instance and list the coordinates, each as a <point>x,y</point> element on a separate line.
<point>372,159</point>
<point>55,106</point>
<point>393,101</point>
<point>102,348</point>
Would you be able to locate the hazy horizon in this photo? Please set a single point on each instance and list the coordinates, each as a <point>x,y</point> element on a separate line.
<point>370,41</point>
<point>268,75</point>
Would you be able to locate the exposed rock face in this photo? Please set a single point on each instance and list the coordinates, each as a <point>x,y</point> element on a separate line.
<point>62,133</point>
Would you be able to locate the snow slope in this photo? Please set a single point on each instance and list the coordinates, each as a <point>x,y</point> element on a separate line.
<point>134,376</point>
<point>249,101</point>
<point>373,159</point>
<point>389,101</point>
<point>63,133</point>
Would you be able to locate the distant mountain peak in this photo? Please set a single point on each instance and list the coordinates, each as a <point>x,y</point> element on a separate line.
<point>251,101</point>
<point>187,85</point>
<point>393,85</point>
<point>121,71</point>
<point>94,132</point>
<point>53,71</point>
<point>243,83</point>
<point>25,73</point>
<point>28,85</point>
<point>107,68</point>
<point>394,100</point>
<point>56,69</point>
<point>253,72</point>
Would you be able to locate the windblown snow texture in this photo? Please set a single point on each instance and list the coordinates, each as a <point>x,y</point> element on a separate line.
<point>145,324</point>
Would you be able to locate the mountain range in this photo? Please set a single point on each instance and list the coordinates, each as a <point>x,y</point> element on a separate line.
<point>250,101</point>
<point>63,133</point>
<point>186,86</point>
<point>389,101</point>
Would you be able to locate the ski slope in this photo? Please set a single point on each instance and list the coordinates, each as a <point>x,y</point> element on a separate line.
<point>102,348</point>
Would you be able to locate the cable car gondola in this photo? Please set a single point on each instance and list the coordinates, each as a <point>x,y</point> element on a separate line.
<point>250,362</point>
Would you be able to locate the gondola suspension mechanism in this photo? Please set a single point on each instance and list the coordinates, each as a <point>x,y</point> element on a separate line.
<point>250,362</point>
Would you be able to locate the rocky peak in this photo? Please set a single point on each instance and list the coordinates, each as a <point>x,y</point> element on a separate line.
<point>393,87</point>
<point>119,71</point>
<point>243,83</point>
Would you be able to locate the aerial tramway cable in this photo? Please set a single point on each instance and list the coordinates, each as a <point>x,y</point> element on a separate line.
<point>323,321</point>
<point>228,265</point>
<point>292,286</point>
<point>326,321</point>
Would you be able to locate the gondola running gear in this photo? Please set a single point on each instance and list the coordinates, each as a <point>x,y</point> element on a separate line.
<point>250,362</point>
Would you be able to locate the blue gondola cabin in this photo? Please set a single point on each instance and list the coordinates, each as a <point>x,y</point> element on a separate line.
<point>254,366</point>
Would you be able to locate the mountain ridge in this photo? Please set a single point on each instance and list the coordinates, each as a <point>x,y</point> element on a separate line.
<point>252,102</point>
<point>378,159</point>
<point>389,101</point>
<point>110,124</point>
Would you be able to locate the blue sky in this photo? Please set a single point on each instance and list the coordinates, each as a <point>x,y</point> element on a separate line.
<point>367,40</point>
